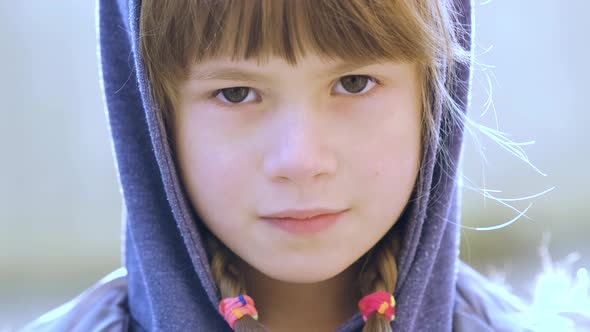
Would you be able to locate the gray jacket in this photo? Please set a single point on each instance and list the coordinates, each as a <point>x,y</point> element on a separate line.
<point>479,305</point>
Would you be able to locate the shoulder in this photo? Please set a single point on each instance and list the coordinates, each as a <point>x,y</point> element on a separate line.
<point>481,305</point>
<point>102,307</point>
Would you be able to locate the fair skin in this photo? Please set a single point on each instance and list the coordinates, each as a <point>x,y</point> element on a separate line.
<point>299,138</point>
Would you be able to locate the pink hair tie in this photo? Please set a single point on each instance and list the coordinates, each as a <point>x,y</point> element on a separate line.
<point>381,302</point>
<point>234,308</point>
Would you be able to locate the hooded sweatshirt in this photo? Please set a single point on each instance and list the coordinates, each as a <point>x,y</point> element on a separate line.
<point>166,282</point>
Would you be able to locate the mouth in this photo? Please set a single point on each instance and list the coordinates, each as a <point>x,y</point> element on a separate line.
<point>307,222</point>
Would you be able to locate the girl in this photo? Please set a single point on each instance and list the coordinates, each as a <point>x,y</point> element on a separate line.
<point>288,166</point>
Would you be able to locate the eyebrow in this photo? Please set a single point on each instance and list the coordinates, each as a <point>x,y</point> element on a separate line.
<point>230,74</point>
<point>345,67</point>
<point>240,74</point>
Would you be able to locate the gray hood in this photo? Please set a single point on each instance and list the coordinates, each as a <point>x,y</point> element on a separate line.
<point>170,286</point>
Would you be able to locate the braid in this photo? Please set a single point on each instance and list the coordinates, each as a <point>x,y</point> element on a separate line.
<point>380,274</point>
<point>229,280</point>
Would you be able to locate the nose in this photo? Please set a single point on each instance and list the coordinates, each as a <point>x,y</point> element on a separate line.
<point>299,152</point>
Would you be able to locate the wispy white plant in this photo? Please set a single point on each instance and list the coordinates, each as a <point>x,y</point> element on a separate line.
<point>561,297</point>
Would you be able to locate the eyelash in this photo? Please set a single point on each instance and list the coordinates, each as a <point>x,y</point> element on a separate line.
<point>377,83</point>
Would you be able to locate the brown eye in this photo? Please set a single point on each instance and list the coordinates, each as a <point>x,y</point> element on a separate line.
<point>235,95</point>
<point>354,83</point>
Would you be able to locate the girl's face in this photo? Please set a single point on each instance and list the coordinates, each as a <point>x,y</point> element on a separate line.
<point>255,140</point>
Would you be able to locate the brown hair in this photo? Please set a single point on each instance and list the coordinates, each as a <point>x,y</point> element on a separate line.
<point>178,33</point>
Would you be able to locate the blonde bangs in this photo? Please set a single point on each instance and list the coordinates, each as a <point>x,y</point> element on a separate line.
<point>178,33</point>
<point>347,30</point>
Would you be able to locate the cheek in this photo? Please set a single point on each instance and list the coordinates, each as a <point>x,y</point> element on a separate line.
<point>213,174</point>
<point>391,174</point>
<point>389,146</point>
<point>386,166</point>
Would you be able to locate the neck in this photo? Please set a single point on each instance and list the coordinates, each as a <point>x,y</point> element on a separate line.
<point>321,306</point>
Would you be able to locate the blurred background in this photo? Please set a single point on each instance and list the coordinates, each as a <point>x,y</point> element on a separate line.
<point>60,203</point>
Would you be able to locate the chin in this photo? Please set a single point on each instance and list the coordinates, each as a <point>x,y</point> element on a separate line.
<point>305,272</point>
